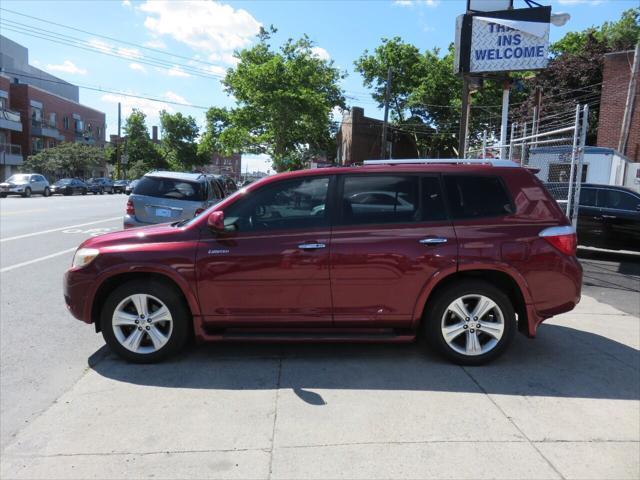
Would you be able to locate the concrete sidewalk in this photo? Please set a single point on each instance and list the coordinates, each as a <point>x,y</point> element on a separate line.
<point>566,405</point>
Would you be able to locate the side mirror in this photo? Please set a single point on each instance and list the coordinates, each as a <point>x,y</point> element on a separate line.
<point>216,221</point>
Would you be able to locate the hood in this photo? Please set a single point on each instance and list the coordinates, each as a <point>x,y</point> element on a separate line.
<point>13,184</point>
<point>136,236</point>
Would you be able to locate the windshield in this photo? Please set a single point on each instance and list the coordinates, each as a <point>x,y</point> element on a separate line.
<point>64,181</point>
<point>170,188</point>
<point>18,178</point>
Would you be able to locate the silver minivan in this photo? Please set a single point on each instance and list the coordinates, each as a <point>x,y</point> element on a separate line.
<point>25,184</point>
<point>165,197</point>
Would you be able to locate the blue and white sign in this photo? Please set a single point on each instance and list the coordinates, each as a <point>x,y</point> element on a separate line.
<point>499,45</point>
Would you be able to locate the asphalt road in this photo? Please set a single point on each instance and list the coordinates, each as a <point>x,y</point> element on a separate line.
<point>46,355</point>
<point>43,350</point>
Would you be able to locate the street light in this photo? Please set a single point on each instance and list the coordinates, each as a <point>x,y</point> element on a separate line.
<point>560,19</point>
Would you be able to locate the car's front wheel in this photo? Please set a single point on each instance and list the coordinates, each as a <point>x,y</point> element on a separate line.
<point>27,192</point>
<point>145,321</point>
<point>470,323</point>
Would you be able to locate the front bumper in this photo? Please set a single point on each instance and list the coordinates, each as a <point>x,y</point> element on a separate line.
<point>78,286</point>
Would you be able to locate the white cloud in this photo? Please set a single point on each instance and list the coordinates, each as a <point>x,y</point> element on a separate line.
<point>67,67</point>
<point>321,53</point>
<point>101,45</point>
<point>149,107</point>
<point>175,72</point>
<point>225,57</point>
<point>128,52</point>
<point>202,25</point>
<point>174,97</point>
<point>137,67</point>
<point>578,2</point>
<point>126,3</point>
<point>215,70</point>
<point>411,3</point>
<point>155,43</point>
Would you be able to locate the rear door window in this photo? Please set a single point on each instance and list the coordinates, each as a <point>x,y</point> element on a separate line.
<point>477,196</point>
<point>380,199</point>
<point>588,197</point>
<point>172,188</point>
<point>617,200</point>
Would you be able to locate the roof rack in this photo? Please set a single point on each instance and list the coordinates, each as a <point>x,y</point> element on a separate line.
<point>453,161</point>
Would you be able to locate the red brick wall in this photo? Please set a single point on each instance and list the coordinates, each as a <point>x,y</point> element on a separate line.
<point>5,84</point>
<point>21,96</point>
<point>616,76</point>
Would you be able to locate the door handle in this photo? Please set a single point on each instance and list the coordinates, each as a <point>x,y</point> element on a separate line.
<point>433,241</point>
<point>608,216</point>
<point>311,246</point>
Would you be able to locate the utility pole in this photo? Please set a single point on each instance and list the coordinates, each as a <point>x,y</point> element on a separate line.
<point>383,146</point>
<point>628,108</point>
<point>119,166</point>
<point>506,90</point>
<point>464,119</point>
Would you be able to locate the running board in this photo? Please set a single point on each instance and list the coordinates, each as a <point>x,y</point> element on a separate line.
<point>375,336</point>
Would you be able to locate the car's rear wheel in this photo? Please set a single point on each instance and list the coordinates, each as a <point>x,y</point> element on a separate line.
<point>84,191</point>
<point>470,323</point>
<point>3,195</point>
<point>145,321</point>
<point>46,192</point>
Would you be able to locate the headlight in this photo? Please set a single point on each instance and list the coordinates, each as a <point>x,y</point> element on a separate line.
<point>84,256</point>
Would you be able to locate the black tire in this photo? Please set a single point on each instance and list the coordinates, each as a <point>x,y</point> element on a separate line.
<point>101,191</point>
<point>46,192</point>
<point>165,293</point>
<point>111,192</point>
<point>84,191</point>
<point>437,306</point>
<point>3,195</point>
<point>27,192</point>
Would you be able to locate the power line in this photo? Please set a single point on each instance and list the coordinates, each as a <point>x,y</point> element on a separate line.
<point>59,39</point>
<point>124,42</point>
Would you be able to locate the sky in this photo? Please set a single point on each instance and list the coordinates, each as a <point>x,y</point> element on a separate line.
<point>174,53</point>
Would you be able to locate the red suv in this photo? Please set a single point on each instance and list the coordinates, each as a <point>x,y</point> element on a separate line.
<point>462,254</point>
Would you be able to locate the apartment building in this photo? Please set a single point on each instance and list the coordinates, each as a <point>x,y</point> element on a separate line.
<point>38,110</point>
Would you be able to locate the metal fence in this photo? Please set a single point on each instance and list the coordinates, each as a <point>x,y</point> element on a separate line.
<point>554,146</point>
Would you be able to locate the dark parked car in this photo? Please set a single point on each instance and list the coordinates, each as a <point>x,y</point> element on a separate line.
<point>69,186</point>
<point>608,215</point>
<point>119,186</point>
<point>227,183</point>
<point>162,197</point>
<point>104,185</point>
<point>132,184</point>
<point>482,252</point>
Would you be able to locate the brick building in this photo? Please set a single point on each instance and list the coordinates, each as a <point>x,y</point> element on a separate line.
<point>46,108</point>
<point>360,137</point>
<point>230,165</point>
<point>616,76</point>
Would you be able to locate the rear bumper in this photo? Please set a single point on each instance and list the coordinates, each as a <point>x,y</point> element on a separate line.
<point>130,221</point>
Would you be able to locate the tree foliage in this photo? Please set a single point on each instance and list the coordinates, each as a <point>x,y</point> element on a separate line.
<point>68,159</point>
<point>179,140</point>
<point>284,99</point>
<point>142,153</point>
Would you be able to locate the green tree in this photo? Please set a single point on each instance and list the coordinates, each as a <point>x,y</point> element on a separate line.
<point>179,140</point>
<point>142,153</point>
<point>68,159</point>
<point>284,100</point>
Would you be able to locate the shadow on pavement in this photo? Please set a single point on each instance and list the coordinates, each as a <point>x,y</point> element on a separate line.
<point>561,362</point>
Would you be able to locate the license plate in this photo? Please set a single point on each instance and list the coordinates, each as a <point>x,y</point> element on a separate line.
<point>163,212</point>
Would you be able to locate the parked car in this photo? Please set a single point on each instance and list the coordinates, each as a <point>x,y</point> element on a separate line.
<point>119,186</point>
<point>228,184</point>
<point>132,184</point>
<point>161,197</point>
<point>25,184</point>
<point>104,185</point>
<point>69,186</point>
<point>608,215</point>
<point>483,252</point>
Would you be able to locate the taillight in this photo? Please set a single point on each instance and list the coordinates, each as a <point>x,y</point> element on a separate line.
<point>561,238</point>
<point>198,211</point>
<point>130,208</point>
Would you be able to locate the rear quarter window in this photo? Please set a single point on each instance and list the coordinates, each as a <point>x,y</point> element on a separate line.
<point>170,188</point>
<point>477,196</point>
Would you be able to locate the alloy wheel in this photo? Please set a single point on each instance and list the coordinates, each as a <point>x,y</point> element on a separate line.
<point>142,323</point>
<point>472,325</point>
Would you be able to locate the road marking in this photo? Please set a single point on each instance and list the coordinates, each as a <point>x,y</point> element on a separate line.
<point>36,260</point>
<point>18,212</point>
<point>26,235</point>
